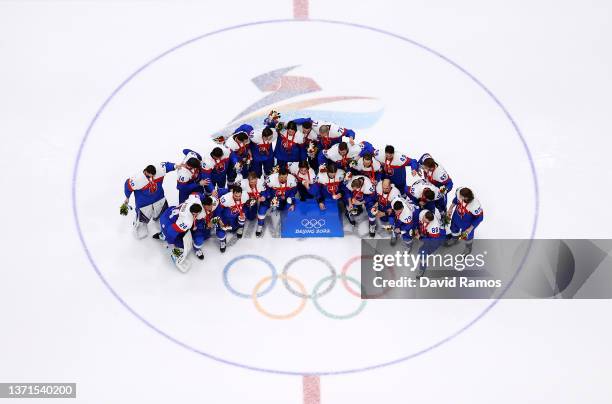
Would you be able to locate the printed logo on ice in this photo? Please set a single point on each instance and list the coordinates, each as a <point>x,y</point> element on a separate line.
<point>282,87</point>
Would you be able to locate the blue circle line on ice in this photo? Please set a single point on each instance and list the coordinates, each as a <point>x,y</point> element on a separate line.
<point>302,372</point>
<point>244,257</point>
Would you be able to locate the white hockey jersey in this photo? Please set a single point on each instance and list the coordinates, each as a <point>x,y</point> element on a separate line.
<point>416,189</point>
<point>209,163</point>
<point>431,229</point>
<point>253,192</point>
<point>309,177</point>
<point>331,184</point>
<point>385,198</point>
<point>279,189</point>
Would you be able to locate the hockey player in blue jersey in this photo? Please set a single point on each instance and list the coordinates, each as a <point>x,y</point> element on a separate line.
<point>149,198</point>
<point>289,145</point>
<point>189,176</point>
<point>465,214</point>
<point>204,225</point>
<point>240,153</point>
<point>283,189</point>
<point>404,221</point>
<point>431,232</point>
<point>175,222</point>
<point>394,165</point>
<point>215,166</point>
<point>262,152</point>
<point>259,200</point>
<point>361,196</point>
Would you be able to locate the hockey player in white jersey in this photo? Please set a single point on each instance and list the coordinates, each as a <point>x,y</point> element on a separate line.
<point>259,200</point>
<point>149,197</point>
<point>426,196</point>
<point>343,153</point>
<point>385,192</point>
<point>361,196</point>
<point>283,189</point>
<point>234,204</point>
<point>368,166</point>
<point>175,222</point>
<point>306,177</point>
<point>465,214</point>
<point>330,184</point>
<point>431,232</point>
<point>404,221</point>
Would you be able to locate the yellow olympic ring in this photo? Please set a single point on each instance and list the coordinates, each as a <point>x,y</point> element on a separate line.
<point>279,316</point>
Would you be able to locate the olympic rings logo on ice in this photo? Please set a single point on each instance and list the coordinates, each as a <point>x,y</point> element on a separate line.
<point>313,223</point>
<point>297,288</point>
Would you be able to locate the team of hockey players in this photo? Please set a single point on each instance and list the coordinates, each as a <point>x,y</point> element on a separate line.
<point>276,166</point>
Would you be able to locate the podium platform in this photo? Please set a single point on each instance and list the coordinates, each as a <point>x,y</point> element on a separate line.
<point>307,220</point>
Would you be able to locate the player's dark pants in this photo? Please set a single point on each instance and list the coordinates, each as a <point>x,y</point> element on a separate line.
<point>258,211</point>
<point>263,166</point>
<point>200,235</point>
<point>307,193</point>
<point>458,225</point>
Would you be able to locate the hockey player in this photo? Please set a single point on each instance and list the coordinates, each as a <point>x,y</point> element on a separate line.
<point>289,145</point>
<point>394,165</point>
<point>306,177</point>
<point>175,222</point>
<point>211,218</point>
<point>343,153</point>
<point>283,187</point>
<point>148,196</point>
<point>431,232</point>
<point>215,166</point>
<point>261,150</point>
<point>435,173</point>
<point>404,221</point>
<point>368,166</point>
<point>361,195</point>
<point>327,134</point>
<point>426,196</point>
<point>465,214</point>
<point>259,200</point>
<point>330,184</point>
<point>240,153</point>
<point>234,204</point>
<point>386,192</point>
<point>190,178</point>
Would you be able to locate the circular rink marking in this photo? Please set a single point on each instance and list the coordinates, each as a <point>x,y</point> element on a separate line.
<point>297,372</point>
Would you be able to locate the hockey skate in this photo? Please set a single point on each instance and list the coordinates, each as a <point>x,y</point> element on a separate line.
<point>222,245</point>
<point>198,253</point>
<point>259,231</point>
<point>372,230</point>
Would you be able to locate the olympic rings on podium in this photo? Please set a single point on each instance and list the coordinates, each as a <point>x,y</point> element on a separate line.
<point>337,316</point>
<point>243,257</point>
<point>285,278</point>
<point>313,257</point>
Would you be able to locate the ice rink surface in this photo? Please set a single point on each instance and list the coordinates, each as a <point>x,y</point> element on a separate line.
<point>77,81</point>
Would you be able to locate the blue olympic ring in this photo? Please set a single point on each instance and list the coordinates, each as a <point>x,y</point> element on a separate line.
<point>243,257</point>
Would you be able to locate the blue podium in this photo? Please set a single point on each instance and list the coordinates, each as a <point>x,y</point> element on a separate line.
<point>307,220</point>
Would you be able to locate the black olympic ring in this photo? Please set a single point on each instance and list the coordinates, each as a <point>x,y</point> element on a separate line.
<point>314,257</point>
